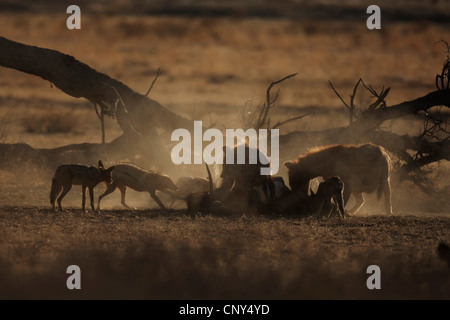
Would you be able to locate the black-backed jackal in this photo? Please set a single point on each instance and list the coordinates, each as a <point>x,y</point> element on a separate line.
<point>188,185</point>
<point>129,175</point>
<point>67,175</point>
<point>328,198</point>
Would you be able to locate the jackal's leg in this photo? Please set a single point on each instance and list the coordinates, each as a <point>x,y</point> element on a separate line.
<point>359,203</point>
<point>123,192</point>
<point>91,197</point>
<point>83,202</point>
<point>65,190</point>
<point>110,189</point>
<point>155,197</point>
<point>339,204</point>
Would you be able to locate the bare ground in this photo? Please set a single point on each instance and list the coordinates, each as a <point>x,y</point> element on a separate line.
<point>147,254</point>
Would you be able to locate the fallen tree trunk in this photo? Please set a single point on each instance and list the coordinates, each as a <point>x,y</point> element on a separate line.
<point>79,80</point>
<point>374,118</point>
<point>138,116</point>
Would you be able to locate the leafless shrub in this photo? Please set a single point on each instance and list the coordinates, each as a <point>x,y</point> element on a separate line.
<point>258,117</point>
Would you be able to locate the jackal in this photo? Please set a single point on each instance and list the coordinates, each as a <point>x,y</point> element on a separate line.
<point>329,198</point>
<point>188,185</point>
<point>67,175</point>
<point>129,175</point>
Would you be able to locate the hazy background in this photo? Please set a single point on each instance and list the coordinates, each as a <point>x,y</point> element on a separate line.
<point>217,57</point>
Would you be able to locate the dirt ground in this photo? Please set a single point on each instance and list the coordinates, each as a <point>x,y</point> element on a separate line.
<point>146,254</point>
<point>212,66</point>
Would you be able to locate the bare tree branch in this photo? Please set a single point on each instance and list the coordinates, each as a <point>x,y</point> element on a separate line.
<point>262,119</point>
<point>351,107</point>
<point>381,97</point>
<point>158,73</point>
<point>337,93</point>
<point>443,79</point>
<point>280,123</point>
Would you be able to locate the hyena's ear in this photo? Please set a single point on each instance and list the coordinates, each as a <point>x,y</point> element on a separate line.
<point>100,164</point>
<point>289,164</point>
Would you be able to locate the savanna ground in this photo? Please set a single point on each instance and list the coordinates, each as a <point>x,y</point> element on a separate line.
<point>211,67</point>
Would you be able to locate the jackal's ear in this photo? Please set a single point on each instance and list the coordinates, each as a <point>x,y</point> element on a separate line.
<point>100,164</point>
<point>111,168</point>
<point>289,164</point>
<point>312,192</point>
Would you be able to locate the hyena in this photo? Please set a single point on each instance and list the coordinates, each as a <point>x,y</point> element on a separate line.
<point>240,180</point>
<point>67,175</point>
<point>362,168</point>
<point>129,175</point>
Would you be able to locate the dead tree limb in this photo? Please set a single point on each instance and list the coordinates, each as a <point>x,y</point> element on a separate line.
<point>158,73</point>
<point>351,107</point>
<point>268,105</point>
<point>281,123</point>
<point>136,114</point>
<point>79,80</point>
<point>374,118</point>
<point>443,79</point>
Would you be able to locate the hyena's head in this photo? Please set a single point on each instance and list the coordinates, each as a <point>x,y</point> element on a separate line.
<point>104,174</point>
<point>298,178</point>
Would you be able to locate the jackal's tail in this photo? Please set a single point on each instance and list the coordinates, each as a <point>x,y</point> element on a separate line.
<point>54,191</point>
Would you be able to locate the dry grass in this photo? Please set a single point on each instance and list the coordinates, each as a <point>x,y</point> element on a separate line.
<point>151,255</point>
<point>51,123</point>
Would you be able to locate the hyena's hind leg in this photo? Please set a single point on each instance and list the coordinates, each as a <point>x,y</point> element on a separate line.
<point>359,203</point>
<point>66,189</point>
<point>387,198</point>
